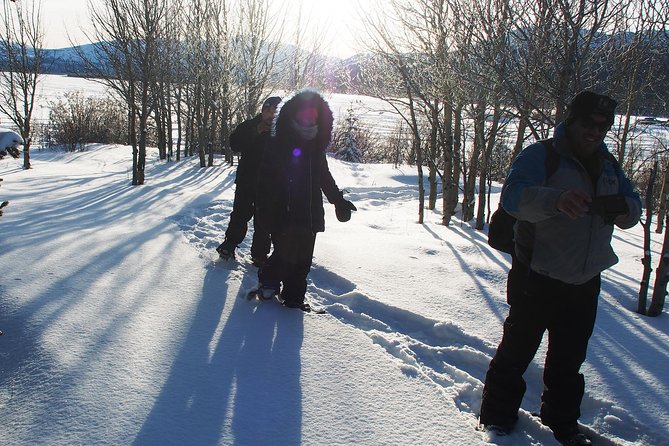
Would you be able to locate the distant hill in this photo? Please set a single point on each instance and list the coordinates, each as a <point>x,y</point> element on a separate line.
<point>327,72</point>
<point>66,60</point>
<point>61,60</point>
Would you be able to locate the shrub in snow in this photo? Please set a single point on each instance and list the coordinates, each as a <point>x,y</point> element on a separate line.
<point>79,119</point>
<point>346,141</point>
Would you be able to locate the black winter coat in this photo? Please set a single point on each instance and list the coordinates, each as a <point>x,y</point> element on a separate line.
<point>246,141</point>
<point>293,173</point>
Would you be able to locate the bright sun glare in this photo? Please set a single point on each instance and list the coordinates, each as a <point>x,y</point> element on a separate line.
<point>339,22</point>
<point>336,23</point>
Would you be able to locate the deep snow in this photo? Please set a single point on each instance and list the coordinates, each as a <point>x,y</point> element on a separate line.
<point>122,327</point>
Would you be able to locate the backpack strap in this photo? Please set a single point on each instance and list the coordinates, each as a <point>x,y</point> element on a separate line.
<point>552,160</point>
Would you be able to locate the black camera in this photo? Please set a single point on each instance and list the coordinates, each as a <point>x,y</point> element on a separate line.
<point>609,207</point>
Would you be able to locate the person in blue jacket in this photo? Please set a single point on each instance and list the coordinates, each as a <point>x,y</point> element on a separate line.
<point>562,240</point>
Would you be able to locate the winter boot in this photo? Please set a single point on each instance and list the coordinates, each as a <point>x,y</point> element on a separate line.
<point>496,429</point>
<point>226,251</point>
<point>258,261</point>
<point>267,292</point>
<point>572,437</point>
<point>304,306</point>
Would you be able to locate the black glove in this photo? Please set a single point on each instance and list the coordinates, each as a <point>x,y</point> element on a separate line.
<point>343,210</point>
<point>609,207</point>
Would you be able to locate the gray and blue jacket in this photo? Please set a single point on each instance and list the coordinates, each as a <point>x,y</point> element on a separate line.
<point>551,243</point>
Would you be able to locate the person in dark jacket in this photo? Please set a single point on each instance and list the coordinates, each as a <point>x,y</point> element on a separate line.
<point>249,139</point>
<point>293,172</point>
<point>562,244</point>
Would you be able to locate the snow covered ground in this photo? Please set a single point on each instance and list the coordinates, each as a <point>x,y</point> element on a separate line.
<point>122,328</point>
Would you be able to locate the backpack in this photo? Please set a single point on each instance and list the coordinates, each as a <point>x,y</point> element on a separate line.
<point>500,229</point>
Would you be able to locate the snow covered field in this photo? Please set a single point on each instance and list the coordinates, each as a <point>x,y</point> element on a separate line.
<point>122,328</point>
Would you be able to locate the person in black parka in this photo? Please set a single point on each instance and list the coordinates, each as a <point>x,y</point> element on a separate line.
<point>293,172</point>
<point>249,139</point>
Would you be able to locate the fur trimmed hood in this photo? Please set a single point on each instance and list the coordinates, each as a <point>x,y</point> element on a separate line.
<point>282,127</point>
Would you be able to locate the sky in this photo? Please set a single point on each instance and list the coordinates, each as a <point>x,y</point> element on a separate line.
<point>338,20</point>
<point>121,326</point>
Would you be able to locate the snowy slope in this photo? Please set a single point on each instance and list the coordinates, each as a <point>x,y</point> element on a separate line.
<point>121,327</point>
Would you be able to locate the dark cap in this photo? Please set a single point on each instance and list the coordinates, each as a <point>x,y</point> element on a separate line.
<point>587,103</point>
<point>270,102</point>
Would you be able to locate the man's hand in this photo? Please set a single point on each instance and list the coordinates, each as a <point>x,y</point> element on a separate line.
<point>574,203</point>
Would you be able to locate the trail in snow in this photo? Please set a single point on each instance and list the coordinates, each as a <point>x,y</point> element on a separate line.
<point>430,349</point>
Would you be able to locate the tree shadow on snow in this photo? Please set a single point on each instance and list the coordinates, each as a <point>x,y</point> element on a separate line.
<point>234,380</point>
<point>481,278</point>
<point>621,345</point>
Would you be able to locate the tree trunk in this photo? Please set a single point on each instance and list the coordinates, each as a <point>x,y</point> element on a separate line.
<point>664,193</point>
<point>647,268</point>
<point>26,146</point>
<point>179,115</point>
<point>419,161</point>
<point>457,150</point>
<point>469,195</point>
<point>432,197</point>
<point>448,188</point>
<point>520,135</point>
<point>132,134</point>
<point>661,279</point>
<point>484,180</point>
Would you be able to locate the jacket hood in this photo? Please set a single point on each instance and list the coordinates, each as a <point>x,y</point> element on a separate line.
<point>282,127</point>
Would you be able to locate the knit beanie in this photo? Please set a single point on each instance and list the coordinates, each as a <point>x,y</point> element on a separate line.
<point>272,101</point>
<point>586,103</point>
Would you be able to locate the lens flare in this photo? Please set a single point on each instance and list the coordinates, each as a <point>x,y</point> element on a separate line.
<point>297,152</point>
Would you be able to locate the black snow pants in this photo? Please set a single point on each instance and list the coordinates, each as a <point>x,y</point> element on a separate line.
<point>243,209</point>
<point>539,303</point>
<point>289,263</point>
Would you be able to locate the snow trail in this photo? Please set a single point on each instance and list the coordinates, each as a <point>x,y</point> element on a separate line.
<point>122,327</point>
<point>438,352</point>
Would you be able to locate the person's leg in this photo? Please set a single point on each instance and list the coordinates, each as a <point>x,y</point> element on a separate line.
<point>295,281</point>
<point>569,331</point>
<point>523,330</point>
<point>271,273</point>
<point>242,211</point>
<point>260,245</point>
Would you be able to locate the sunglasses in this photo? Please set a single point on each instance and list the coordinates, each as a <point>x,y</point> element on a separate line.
<point>590,124</point>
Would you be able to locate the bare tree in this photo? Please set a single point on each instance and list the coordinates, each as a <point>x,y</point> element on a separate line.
<point>398,91</point>
<point>166,79</point>
<point>661,279</point>
<point>636,67</point>
<point>481,34</point>
<point>130,32</point>
<point>202,57</point>
<point>663,198</point>
<point>258,37</point>
<point>647,268</point>
<point>413,38</point>
<point>22,43</point>
<point>224,78</point>
<point>303,63</point>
